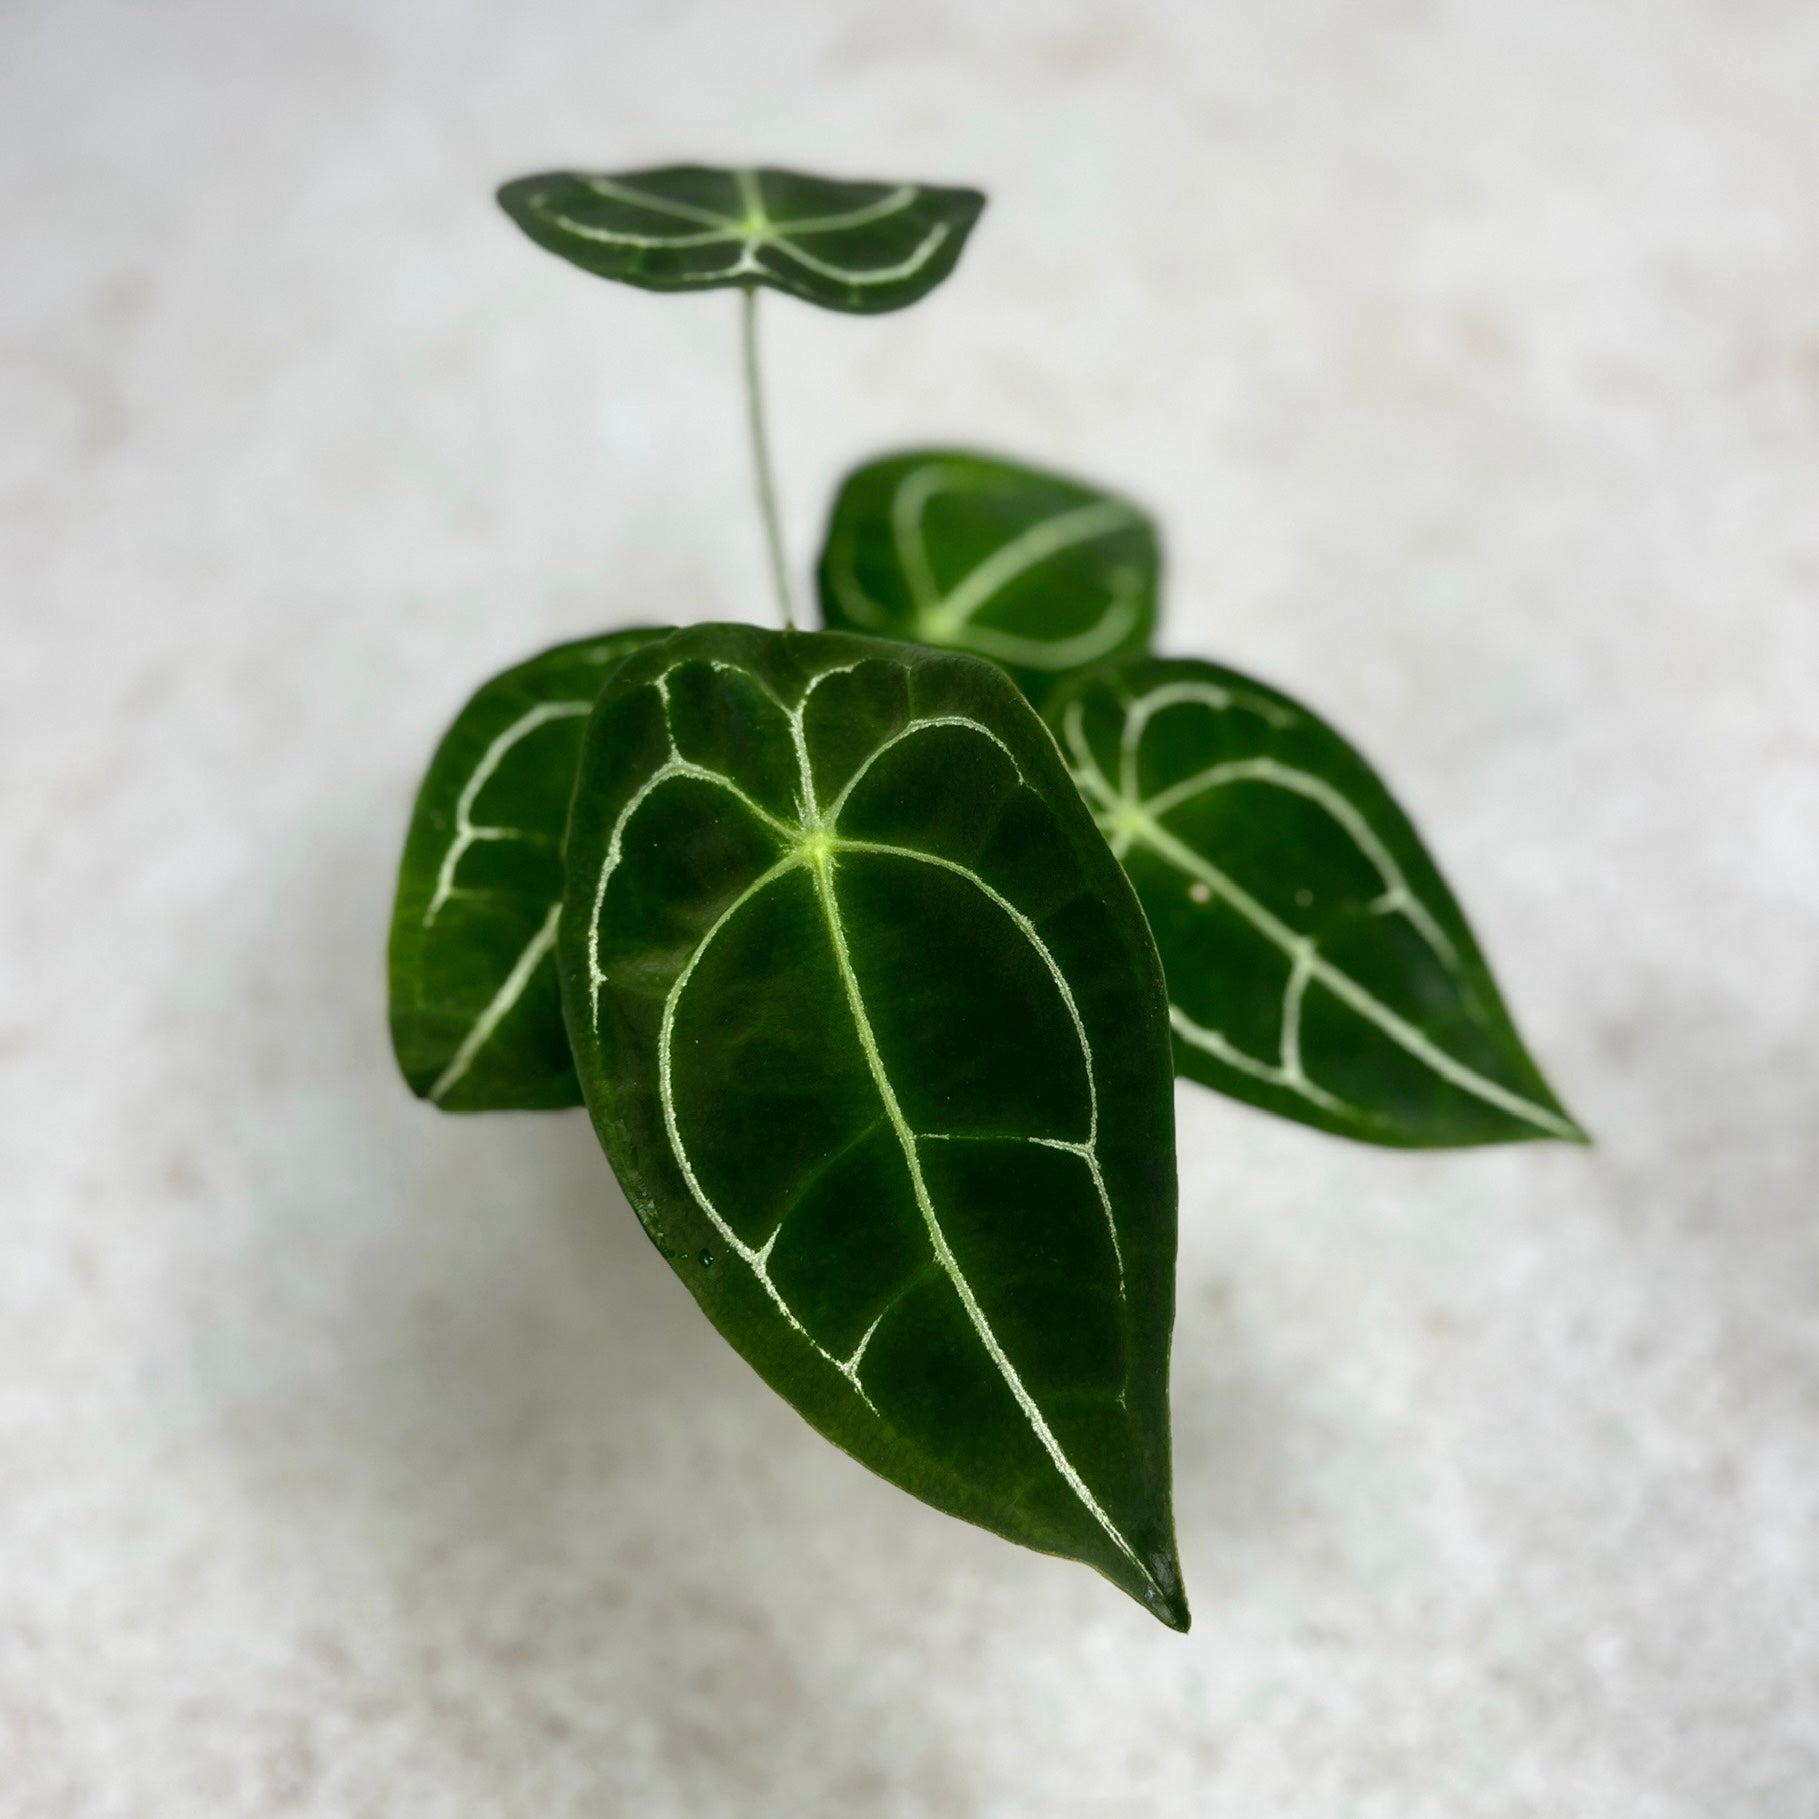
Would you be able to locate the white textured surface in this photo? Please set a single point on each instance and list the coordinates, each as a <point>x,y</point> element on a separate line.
<point>357,1461</point>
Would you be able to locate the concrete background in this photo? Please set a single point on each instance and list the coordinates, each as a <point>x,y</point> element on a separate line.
<point>355,1460</point>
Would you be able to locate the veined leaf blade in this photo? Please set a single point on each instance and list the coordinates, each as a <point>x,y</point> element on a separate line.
<point>1318,965</point>
<point>874,1035</point>
<point>1045,576</point>
<point>859,247</point>
<point>475,1009</point>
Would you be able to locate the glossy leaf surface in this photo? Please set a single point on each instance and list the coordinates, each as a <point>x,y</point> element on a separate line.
<point>1043,575</point>
<point>476,1013</point>
<point>1317,964</point>
<point>874,1035</point>
<point>858,247</point>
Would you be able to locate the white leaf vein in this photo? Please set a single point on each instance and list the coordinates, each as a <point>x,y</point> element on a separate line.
<point>467,830</point>
<point>1131,819</point>
<point>755,231</point>
<point>949,616</point>
<point>511,989</point>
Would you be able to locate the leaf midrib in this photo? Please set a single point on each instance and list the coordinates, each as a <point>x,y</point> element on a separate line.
<point>822,870</point>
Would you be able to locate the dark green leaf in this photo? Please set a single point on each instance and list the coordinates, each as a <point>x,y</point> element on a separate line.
<point>1043,575</point>
<point>874,1035</point>
<point>475,1009</point>
<point>860,247</point>
<point>1317,964</point>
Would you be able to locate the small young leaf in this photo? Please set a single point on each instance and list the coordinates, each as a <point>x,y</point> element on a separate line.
<point>860,247</point>
<point>874,1035</point>
<point>1044,575</point>
<point>475,1010</point>
<point>1317,964</point>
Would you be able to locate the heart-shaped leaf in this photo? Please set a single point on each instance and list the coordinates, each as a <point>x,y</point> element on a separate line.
<point>859,247</point>
<point>873,1032</point>
<point>1044,575</point>
<point>1317,964</point>
<point>475,1010</point>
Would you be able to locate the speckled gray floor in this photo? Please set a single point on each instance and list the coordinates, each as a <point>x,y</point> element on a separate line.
<point>355,1461</point>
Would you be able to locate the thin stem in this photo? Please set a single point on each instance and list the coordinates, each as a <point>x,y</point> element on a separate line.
<point>761,456</point>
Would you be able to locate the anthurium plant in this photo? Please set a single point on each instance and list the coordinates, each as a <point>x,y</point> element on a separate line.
<point>873,951</point>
